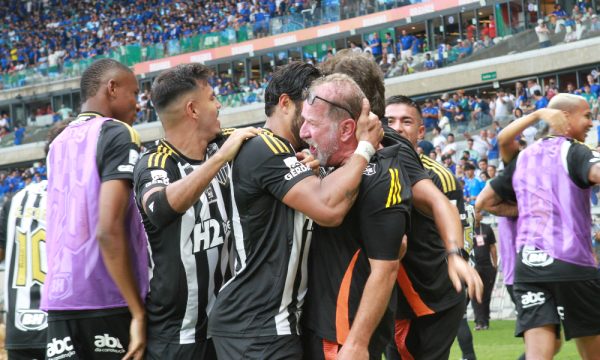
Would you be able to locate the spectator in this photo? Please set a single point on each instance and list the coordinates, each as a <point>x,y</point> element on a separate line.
<point>428,64</point>
<point>493,152</point>
<point>473,184</point>
<point>430,115</point>
<point>503,106</point>
<point>540,101</point>
<point>449,163</point>
<point>19,134</point>
<point>532,86</point>
<point>375,45</point>
<point>65,111</point>
<point>473,154</point>
<point>543,34</point>
<point>406,43</point>
<point>388,45</point>
<point>439,140</point>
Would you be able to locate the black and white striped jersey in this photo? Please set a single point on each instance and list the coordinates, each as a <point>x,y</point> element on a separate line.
<point>265,295</point>
<point>25,270</point>
<point>190,256</point>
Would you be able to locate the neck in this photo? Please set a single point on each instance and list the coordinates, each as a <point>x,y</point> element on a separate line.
<point>97,106</point>
<point>346,151</point>
<point>279,127</point>
<point>190,144</point>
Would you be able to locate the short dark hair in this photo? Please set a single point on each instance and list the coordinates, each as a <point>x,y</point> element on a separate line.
<point>291,79</point>
<point>469,166</point>
<point>177,81</point>
<point>364,71</point>
<point>92,76</point>
<point>401,99</point>
<point>537,93</point>
<point>484,160</point>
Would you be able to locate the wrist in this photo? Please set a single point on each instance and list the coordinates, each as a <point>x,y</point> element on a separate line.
<point>365,149</point>
<point>454,251</point>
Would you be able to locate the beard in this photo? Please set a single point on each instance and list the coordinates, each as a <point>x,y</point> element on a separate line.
<point>296,125</point>
<point>325,150</point>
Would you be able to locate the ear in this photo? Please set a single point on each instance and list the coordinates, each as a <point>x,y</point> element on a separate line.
<point>285,103</point>
<point>347,129</point>
<point>111,88</point>
<point>190,110</point>
<point>421,133</point>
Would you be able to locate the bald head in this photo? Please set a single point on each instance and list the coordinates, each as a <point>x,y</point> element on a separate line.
<point>566,102</point>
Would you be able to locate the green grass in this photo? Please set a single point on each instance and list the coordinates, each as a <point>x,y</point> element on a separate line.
<point>499,343</point>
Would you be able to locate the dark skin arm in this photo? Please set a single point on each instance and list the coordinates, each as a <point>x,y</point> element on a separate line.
<point>113,240</point>
<point>489,201</point>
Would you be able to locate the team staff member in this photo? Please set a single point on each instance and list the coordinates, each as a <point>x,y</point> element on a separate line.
<point>486,263</point>
<point>348,309</point>
<point>181,199</point>
<point>22,234</point>
<point>429,309</point>
<point>96,246</point>
<point>256,313</point>
<point>426,197</point>
<point>555,258</point>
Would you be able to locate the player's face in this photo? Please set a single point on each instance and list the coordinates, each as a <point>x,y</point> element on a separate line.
<point>207,106</point>
<point>406,120</point>
<point>580,121</point>
<point>296,125</point>
<point>125,104</point>
<point>319,133</point>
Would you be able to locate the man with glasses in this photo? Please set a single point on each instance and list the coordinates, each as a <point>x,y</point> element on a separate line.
<point>347,313</point>
<point>256,314</point>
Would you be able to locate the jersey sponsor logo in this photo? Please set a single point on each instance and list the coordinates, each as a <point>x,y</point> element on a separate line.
<point>594,160</point>
<point>536,258</point>
<point>134,155</point>
<point>370,170</point>
<point>561,312</point>
<point>31,320</point>
<point>296,167</point>
<point>211,197</point>
<point>532,299</point>
<point>58,349</point>
<point>60,287</point>
<point>159,177</point>
<point>207,235</point>
<point>106,343</point>
<point>125,168</point>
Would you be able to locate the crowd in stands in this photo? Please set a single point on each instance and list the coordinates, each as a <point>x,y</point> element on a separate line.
<point>50,32</point>
<point>16,179</point>
<point>476,160</point>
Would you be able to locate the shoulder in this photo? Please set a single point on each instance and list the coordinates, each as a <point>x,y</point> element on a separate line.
<point>158,156</point>
<point>266,144</point>
<point>114,129</point>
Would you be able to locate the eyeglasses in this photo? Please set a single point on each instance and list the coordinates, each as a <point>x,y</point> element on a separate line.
<point>310,99</point>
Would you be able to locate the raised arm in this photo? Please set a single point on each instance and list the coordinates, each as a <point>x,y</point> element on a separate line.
<point>508,148</point>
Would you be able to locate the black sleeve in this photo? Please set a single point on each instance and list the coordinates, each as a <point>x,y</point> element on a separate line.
<point>410,159</point>
<point>275,167</point>
<point>502,184</point>
<point>118,151</point>
<point>456,198</point>
<point>580,160</point>
<point>384,207</point>
<point>149,174</point>
<point>4,221</point>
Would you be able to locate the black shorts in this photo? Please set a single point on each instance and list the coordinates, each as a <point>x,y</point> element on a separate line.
<point>103,337</point>
<point>156,350</point>
<point>26,354</point>
<point>317,348</point>
<point>575,304</point>
<point>427,337</point>
<point>284,347</point>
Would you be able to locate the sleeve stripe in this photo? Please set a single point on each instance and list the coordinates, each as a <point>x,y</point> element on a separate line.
<point>442,172</point>
<point>268,142</point>
<point>280,144</point>
<point>395,189</point>
<point>135,137</point>
<point>150,158</point>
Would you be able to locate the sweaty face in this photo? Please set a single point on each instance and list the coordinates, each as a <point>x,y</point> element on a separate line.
<point>124,105</point>
<point>406,120</point>
<point>580,121</point>
<point>319,133</point>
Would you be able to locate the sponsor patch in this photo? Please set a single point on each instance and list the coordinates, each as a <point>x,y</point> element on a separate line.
<point>532,299</point>
<point>159,177</point>
<point>59,348</point>
<point>125,168</point>
<point>536,258</point>
<point>108,344</point>
<point>31,320</point>
<point>134,155</point>
<point>296,167</point>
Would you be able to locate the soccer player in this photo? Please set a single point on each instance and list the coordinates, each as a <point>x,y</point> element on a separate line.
<point>23,235</point>
<point>347,310</point>
<point>555,258</point>
<point>430,309</point>
<point>96,247</point>
<point>256,313</point>
<point>181,199</point>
